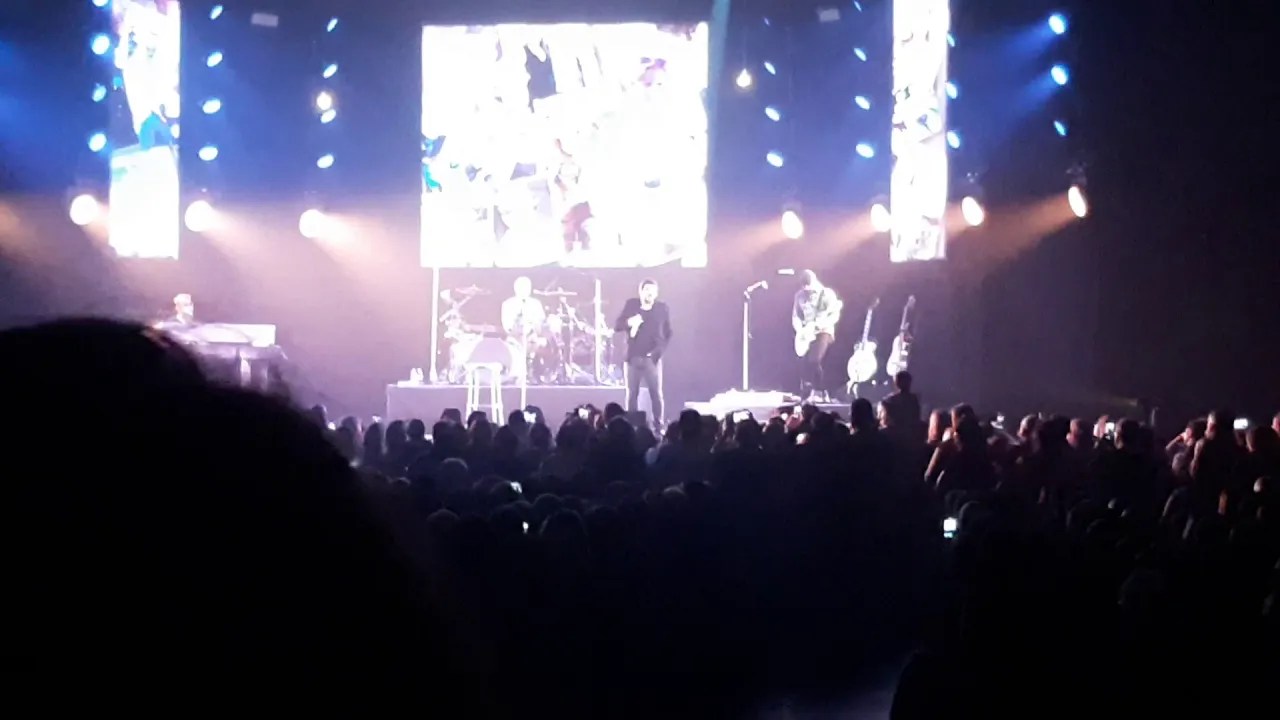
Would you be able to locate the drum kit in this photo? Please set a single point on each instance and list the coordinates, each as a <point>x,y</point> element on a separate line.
<point>568,347</point>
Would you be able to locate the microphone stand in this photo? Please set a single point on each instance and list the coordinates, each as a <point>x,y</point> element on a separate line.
<point>746,333</point>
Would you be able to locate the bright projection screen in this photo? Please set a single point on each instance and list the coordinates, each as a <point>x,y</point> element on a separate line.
<point>566,144</point>
<point>144,192</point>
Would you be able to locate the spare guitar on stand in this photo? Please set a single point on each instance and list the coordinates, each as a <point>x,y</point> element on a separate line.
<point>863,364</point>
<point>900,356</point>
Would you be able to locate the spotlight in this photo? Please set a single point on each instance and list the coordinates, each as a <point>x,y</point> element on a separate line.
<point>313,224</point>
<point>772,113</point>
<point>744,79</point>
<point>769,68</point>
<point>330,70</point>
<point>100,44</point>
<point>1060,128</point>
<point>953,91</point>
<point>881,220</point>
<point>214,59</point>
<point>327,116</point>
<point>99,93</point>
<point>1076,199</point>
<point>862,102</point>
<point>97,142</point>
<point>1057,23</point>
<point>325,162</point>
<point>211,106</point>
<point>792,225</point>
<point>333,23</point>
<point>84,209</point>
<point>860,54</point>
<point>865,150</point>
<point>324,101</point>
<point>972,211</point>
<point>216,12</point>
<point>199,216</point>
<point>1059,74</point>
<point>100,3</point>
<point>774,158</point>
<point>208,153</point>
<point>953,139</point>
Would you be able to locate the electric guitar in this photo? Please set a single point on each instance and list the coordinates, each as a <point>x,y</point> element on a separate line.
<point>863,363</point>
<point>809,331</point>
<point>901,353</point>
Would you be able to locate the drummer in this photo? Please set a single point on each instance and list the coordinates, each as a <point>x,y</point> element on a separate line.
<point>522,314</point>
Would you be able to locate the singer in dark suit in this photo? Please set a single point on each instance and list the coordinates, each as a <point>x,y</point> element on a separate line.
<point>647,323</point>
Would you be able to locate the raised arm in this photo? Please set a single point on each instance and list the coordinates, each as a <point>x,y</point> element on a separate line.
<point>628,309</point>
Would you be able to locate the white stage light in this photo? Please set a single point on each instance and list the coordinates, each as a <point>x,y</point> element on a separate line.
<point>327,116</point>
<point>792,225</point>
<point>972,211</point>
<point>100,3</point>
<point>208,153</point>
<point>1058,24</point>
<point>330,70</point>
<point>769,68</point>
<point>199,216</point>
<point>97,142</point>
<point>211,106</point>
<point>860,53</point>
<point>99,92</point>
<point>215,12</point>
<point>953,90</point>
<point>100,44</point>
<point>881,220</point>
<point>744,79</point>
<point>333,23</point>
<point>953,139</point>
<point>1060,128</point>
<point>324,101</point>
<point>325,162</point>
<point>865,150</point>
<point>84,209</point>
<point>1060,74</point>
<point>775,158</point>
<point>313,224</point>
<point>772,113</point>
<point>214,59</point>
<point>862,102</point>
<point>1076,199</point>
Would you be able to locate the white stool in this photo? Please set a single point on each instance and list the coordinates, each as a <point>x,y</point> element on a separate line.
<point>494,371</point>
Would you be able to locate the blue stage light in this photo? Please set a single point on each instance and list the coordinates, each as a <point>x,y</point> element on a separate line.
<point>1057,23</point>
<point>208,153</point>
<point>333,23</point>
<point>99,92</point>
<point>862,102</point>
<point>214,59</point>
<point>1060,127</point>
<point>772,113</point>
<point>774,158</point>
<point>330,71</point>
<point>953,139</point>
<point>866,150</point>
<point>861,54</point>
<point>211,106</point>
<point>100,3</point>
<point>325,162</point>
<point>1059,74</point>
<point>953,91</point>
<point>216,12</point>
<point>100,44</point>
<point>327,116</point>
<point>97,142</point>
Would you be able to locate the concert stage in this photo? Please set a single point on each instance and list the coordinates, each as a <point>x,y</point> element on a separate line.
<point>762,404</point>
<point>427,402</point>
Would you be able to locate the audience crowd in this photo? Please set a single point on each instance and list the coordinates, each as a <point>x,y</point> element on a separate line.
<point>172,533</point>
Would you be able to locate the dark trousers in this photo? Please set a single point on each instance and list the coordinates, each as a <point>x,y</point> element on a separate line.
<point>647,371</point>
<point>814,377</point>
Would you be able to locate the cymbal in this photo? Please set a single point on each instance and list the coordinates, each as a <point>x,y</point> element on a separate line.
<point>555,293</point>
<point>472,290</point>
<point>471,327</point>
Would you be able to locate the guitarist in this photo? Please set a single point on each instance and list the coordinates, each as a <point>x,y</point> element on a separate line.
<point>816,311</point>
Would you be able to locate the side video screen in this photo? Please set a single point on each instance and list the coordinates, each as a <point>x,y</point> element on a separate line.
<point>568,144</point>
<point>144,193</point>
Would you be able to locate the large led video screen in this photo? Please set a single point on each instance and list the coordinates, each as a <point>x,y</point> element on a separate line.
<point>143,134</point>
<point>567,144</point>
